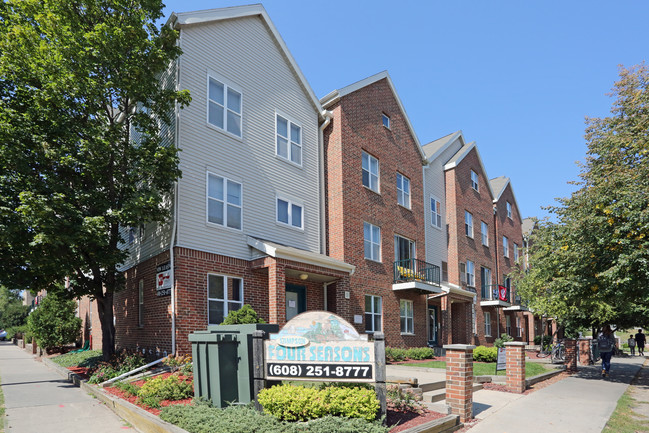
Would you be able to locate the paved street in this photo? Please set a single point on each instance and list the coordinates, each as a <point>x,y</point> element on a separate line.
<point>38,400</point>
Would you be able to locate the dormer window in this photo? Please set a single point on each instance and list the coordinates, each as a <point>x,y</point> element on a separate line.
<point>386,121</point>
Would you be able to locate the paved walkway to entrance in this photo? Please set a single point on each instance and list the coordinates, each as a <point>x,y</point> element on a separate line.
<point>38,400</point>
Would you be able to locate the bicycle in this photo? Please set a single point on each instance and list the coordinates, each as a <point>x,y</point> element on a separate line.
<point>556,353</point>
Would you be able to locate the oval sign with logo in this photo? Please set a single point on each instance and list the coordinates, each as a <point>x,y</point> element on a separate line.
<point>292,341</point>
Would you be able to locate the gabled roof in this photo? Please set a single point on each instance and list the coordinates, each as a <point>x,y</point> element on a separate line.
<point>435,148</point>
<point>335,95</point>
<point>498,186</point>
<point>461,154</point>
<point>181,19</point>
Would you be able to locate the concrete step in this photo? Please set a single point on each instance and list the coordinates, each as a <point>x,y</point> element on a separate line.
<point>440,393</point>
<point>432,386</point>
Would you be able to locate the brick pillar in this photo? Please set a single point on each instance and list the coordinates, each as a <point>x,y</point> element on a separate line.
<point>531,329</point>
<point>515,366</point>
<point>276,294</point>
<point>583,347</point>
<point>571,354</point>
<point>459,380</point>
<point>447,322</point>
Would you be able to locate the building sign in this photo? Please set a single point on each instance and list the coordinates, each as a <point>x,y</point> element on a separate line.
<point>320,346</point>
<point>501,361</point>
<point>163,279</point>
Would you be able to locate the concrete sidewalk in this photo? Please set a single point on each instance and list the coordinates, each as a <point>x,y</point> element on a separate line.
<point>38,400</point>
<point>581,403</point>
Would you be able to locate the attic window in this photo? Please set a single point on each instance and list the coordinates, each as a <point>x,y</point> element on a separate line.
<point>386,121</point>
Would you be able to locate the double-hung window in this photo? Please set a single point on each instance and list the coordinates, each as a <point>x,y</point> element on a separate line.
<point>224,204</point>
<point>505,246</point>
<point>370,172</point>
<point>372,238</point>
<point>487,324</point>
<point>468,224</point>
<point>435,213</point>
<point>140,303</point>
<point>224,294</point>
<point>509,210</point>
<point>386,120</point>
<point>470,273</point>
<point>474,181</point>
<point>224,106</point>
<point>407,317</point>
<point>485,282</point>
<point>373,313</point>
<point>289,213</point>
<point>508,325</point>
<point>403,190</point>
<point>519,329</point>
<point>484,229</point>
<point>515,252</point>
<point>289,140</point>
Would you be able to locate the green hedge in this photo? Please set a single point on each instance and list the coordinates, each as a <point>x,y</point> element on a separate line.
<point>205,419</point>
<point>298,403</point>
<point>396,354</point>
<point>485,354</point>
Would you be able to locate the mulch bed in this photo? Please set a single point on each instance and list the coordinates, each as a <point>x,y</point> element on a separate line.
<point>405,420</point>
<point>535,387</point>
<point>133,399</point>
<point>81,371</point>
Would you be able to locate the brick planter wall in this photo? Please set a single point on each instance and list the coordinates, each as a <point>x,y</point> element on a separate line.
<point>459,380</point>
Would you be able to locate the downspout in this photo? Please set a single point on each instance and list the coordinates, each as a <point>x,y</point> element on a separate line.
<point>323,228</point>
<point>174,222</point>
<point>497,272</point>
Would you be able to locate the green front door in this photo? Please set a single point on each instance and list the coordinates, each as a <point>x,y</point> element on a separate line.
<point>295,300</point>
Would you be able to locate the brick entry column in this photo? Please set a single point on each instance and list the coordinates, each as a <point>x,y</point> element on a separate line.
<point>515,366</point>
<point>571,354</point>
<point>459,380</point>
<point>276,293</point>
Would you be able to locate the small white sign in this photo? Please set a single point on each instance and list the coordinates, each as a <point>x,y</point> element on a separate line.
<point>291,303</point>
<point>501,361</point>
<point>163,280</point>
<point>358,318</point>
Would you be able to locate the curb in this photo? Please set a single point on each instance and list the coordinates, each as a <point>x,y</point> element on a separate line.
<point>448,423</point>
<point>141,420</point>
<point>543,376</point>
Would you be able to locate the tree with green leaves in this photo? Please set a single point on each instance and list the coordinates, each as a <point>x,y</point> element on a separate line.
<point>591,266</point>
<point>54,323</point>
<point>84,90</point>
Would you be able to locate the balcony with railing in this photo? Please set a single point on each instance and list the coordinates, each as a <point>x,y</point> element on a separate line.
<point>518,305</point>
<point>495,295</point>
<point>416,274</point>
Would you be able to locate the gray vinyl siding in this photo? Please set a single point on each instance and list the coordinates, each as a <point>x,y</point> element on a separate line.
<point>243,52</point>
<point>435,185</point>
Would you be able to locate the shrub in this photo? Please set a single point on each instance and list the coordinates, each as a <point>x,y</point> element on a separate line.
<point>54,323</point>
<point>297,403</point>
<point>88,358</point>
<point>403,400</point>
<point>420,353</point>
<point>121,363</point>
<point>16,331</point>
<point>164,388</point>
<point>485,354</point>
<point>547,340</point>
<point>128,388</point>
<point>205,419</point>
<point>504,338</point>
<point>395,354</point>
<point>242,316</point>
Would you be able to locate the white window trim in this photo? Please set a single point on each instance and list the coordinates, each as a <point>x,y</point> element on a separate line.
<point>519,328</point>
<point>470,273</point>
<point>207,201</point>
<point>487,324</point>
<point>290,202</point>
<point>385,116</point>
<point>225,294</point>
<point>506,246</point>
<point>509,210</point>
<point>411,317</point>
<point>378,173</point>
<point>226,83</point>
<point>414,246</point>
<point>484,232</point>
<point>433,214</point>
<point>516,256</point>
<point>404,193</point>
<point>290,121</point>
<point>379,260</point>
<point>468,225</point>
<point>475,182</point>
<point>374,313</point>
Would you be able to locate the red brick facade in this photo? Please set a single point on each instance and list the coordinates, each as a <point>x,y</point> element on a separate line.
<point>357,127</point>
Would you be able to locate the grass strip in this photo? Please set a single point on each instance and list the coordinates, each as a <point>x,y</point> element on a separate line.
<point>87,358</point>
<point>487,368</point>
<point>623,419</point>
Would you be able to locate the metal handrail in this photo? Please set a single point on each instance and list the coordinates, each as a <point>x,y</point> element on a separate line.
<point>416,270</point>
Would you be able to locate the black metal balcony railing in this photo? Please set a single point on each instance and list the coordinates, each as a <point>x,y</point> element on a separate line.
<point>416,270</point>
<point>519,301</point>
<point>491,293</point>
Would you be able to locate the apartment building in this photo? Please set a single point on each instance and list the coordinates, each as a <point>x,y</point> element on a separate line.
<point>375,211</point>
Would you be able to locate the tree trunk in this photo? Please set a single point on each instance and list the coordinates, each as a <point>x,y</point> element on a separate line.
<point>105,309</point>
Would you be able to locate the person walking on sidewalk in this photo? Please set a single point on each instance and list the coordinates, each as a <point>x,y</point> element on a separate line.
<point>631,343</point>
<point>606,342</point>
<point>640,341</point>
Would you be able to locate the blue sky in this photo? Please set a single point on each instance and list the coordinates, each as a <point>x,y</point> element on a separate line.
<point>517,77</point>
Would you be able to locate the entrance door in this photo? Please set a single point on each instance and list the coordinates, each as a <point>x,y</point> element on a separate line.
<point>295,300</point>
<point>432,325</point>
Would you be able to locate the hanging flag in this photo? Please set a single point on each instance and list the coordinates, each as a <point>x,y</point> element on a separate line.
<point>502,293</point>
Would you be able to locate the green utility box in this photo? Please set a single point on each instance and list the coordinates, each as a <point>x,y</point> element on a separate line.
<point>222,358</point>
